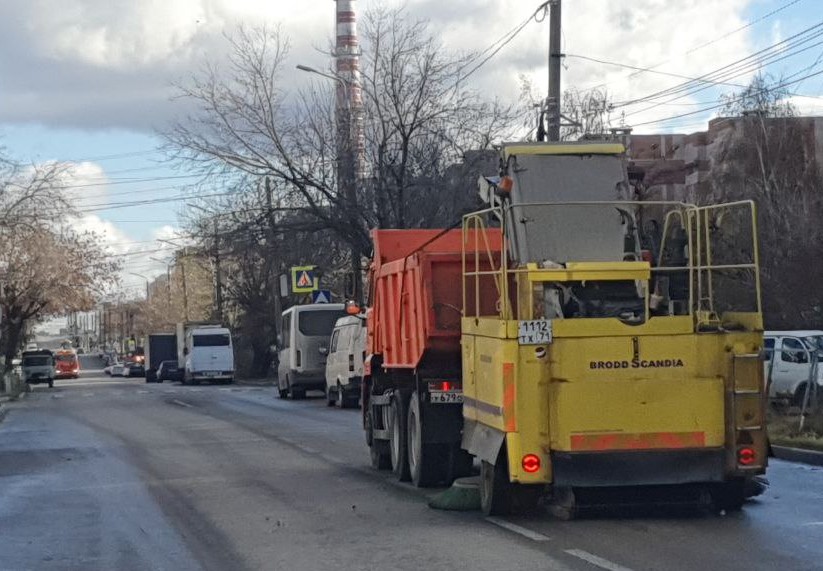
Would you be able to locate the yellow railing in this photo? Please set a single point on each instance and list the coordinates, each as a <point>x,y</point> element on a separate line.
<point>695,220</point>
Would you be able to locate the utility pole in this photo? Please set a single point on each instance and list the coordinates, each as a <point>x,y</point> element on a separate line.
<point>185,291</point>
<point>555,57</point>
<point>218,279</point>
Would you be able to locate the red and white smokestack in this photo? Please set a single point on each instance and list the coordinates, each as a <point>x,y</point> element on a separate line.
<point>347,67</point>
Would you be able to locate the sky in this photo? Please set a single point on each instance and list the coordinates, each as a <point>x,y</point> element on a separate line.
<point>91,82</point>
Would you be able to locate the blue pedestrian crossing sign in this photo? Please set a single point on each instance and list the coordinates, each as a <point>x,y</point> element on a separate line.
<point>321,296</point>
<point>303,279</point>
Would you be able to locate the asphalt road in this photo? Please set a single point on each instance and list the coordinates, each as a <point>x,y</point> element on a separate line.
<point>114,474</point>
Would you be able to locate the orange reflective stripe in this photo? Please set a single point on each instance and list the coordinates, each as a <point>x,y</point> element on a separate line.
<point>638,441</point>
<point>509,398</point>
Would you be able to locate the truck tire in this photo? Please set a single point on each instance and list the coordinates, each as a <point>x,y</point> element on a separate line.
<point>426,461</point>
<point>729,496</point>
<point>499,496</point>
<point>398,444</point>
<point>330,398</point>
<point>51,384</point>
<point>495,496</point>
<point>380,458</point>
<point>282,393</point>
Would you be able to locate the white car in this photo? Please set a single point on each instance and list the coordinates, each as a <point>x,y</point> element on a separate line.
<point>792,359</point>
<point>118,370</point>
<point>344,363</point>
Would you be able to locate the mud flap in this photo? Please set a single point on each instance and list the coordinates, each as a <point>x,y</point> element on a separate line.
<point>482,441</point>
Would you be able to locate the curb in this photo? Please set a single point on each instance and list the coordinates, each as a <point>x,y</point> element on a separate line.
<point>811,457</point>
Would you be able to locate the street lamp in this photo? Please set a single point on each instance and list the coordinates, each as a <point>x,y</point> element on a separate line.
<point>350,156</point>
<point>168,264</point>
<point>147,282</point>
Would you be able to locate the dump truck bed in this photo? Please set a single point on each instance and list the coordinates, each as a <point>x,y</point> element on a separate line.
<point>417,298</point>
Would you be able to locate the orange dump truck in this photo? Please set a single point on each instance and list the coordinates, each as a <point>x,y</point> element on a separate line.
<point>412,389</point>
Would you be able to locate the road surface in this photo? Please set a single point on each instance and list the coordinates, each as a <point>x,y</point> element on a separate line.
<point>114,474</point>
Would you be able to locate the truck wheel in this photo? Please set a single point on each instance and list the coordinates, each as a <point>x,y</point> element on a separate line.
<point>399,444</point>
<point>330,399</point>
<point>380,458</point>
<point>729,496</point>
<point>495,496</point>
<point>282,393</point>
<point>426,461</point>
<point>51,384</point>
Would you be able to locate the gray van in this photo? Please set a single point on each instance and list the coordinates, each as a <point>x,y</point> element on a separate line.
<point>304,347</point>
<point>38,367</point>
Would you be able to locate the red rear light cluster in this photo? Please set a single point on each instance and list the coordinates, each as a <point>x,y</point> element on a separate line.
<point>444,386</point>
<point>531,463</point>
<point>746,456</point>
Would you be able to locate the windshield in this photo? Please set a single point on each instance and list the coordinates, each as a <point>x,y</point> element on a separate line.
<point>36,361</point>
<point>318,323</point>
<point>66,358</point>
<point>211,340</point>
<point>814,343</point>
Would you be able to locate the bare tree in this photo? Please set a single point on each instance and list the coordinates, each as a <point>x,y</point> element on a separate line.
<point>768,155</point>
<point>49,271</point>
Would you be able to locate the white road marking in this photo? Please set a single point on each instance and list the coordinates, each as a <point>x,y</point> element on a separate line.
<point>595,560</point>
<point>225,390</point>
<point>181,403</point>
<point>527,533</point>
<point>142,392</point>
<point>812,523</point>
<point>307,449</point>
<point>88,394</point>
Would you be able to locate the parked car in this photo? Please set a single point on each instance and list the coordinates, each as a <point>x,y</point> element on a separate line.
<point>791,357</point>
<point>168,371</point>
<point>134,369</point>
<point>344,364</point>
<point>304,345</point>
<point>117,370</point>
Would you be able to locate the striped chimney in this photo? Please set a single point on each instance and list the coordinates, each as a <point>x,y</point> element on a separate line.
<point>347,68</point>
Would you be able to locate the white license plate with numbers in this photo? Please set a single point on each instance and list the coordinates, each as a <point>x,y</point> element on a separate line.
<point>444,397</point>
<point>535,332</point>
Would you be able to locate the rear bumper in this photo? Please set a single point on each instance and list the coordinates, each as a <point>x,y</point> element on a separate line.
<point>311,380</point>
<point>638,468</point>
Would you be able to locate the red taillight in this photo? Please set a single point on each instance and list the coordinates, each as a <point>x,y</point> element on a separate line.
<point>351,363</point>
<point>531,463</point>
<point>444,386</point>
<point>746,456</point>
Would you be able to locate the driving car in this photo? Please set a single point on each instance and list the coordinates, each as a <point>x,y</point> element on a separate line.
<point>134,369</point>
<point>791,360</point>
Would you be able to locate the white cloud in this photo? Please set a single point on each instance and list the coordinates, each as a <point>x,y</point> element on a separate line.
<point>109,63</point>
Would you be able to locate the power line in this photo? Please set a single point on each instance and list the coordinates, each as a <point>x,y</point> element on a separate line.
<point>738,98</point>
<point>785,49</point>
<point>505,40</point>
<point>701,46</point>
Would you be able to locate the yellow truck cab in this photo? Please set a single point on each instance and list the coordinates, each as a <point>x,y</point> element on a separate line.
<point>624,348</point>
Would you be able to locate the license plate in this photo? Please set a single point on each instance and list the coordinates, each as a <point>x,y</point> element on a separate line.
<point>442,397</point>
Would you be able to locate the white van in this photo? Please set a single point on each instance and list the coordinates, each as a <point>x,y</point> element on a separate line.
<point>344,367</point>
<point>304,346</point>
<point>209,355</point>
<point>790,358</point>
